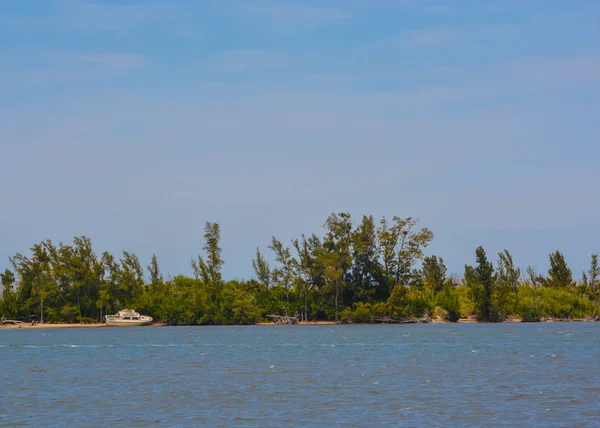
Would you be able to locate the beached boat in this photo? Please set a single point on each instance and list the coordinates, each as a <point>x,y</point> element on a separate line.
<point>127,318</point>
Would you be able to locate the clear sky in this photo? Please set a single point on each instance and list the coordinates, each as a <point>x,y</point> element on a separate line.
<point>135,122</point>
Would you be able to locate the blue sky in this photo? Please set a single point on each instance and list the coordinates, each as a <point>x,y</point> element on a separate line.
<point>135,122</point>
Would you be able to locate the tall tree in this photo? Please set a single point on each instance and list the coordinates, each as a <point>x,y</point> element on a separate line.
<point>335,256</point>
<point>480,280</point>
<point>36,282</point>
<point>433,273</point>
<point>533,278</point>
<point>560,275</point>
<point>9,299</point>
<point>209,270</point>
<point>507,281</point>
<point>209,273</point>
<point>85,270</point>
<point>307,268</point>
<point>366,274</point>
<point>132,278</point>
<point>283,274</point>
<point>401,246</point>
<point>156,277</point>
<point>593,278</point>
<point>262,269</point>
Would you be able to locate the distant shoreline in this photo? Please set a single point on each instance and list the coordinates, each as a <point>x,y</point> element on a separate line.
<point>460,321</point>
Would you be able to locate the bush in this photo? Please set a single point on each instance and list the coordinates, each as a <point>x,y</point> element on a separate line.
<point>535,304</point>
<point>448,300</point>
<point>466,305</point>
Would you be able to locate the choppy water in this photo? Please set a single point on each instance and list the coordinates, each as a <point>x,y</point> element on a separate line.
<point>408,375</point>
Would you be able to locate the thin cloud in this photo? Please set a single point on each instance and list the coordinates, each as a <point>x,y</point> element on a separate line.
<point>429,38</point>
<point>117,61</point>
<point>248,60</point>
<point>437,37</point>
<point>284,17</point>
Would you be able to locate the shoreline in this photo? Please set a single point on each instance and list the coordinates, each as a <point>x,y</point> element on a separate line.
<point>25,325</point>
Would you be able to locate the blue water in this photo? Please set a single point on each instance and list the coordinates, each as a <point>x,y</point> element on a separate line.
<point>530,375</point>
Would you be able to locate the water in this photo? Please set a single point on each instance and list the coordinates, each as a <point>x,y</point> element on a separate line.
<point>380,375</point>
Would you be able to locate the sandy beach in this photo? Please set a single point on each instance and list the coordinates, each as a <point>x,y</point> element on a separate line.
<point>49,325</point>
<point>433,321</point>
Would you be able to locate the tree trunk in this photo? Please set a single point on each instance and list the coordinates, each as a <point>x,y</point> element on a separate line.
<point>41,311</point>
<point>305,307</point>
<point>78,304</point>
<point>337,292</point>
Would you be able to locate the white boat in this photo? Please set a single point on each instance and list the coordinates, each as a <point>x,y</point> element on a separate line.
<point>127,318</point>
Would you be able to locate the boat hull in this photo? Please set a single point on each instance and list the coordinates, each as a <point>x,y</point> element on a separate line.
<point>127,323</point>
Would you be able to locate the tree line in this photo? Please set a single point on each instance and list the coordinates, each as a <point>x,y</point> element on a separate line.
<point>366,271</point>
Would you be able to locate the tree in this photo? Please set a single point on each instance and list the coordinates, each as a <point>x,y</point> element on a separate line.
<point>560,275</point>
<point>507,281</point>
<point>9,299</point>
<point>7,279</point>
<point>284,273</point>
<point>480,280</point>
<point>156,277</point>
<point>209,270</point>
<point>401,246</point>
<point>366,274</point>
<point>305,269</point>
<point>447,299</point>
<point>36,282</point>
<point>593,279</point>
<point>433,273</point>
<point>209,273</point>
<point>534,279</point>
<point>131,282</point>
<point>262,269</point>
<point>85,273</point>
<point>335,255</point>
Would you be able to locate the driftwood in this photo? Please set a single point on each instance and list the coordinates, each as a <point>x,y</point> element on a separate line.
<point>4,321</point>
<point>282,319</point>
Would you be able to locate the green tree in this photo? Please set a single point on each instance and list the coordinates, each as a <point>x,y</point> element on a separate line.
<point>209,270</point>
<point>307,269</point>
<point>401,245</point>
<point>433,273</point>
<point>448,300</point>
<point>366,274</point>
<point>36,282</point>
<point>9,299</point>
<point>131,283</point>
<point>533,278</point>
<point>592,281</point>
<point>209,273</point>
<point>283,274</point>
<point>262,269</point>
<point>480,280</point>
<point>560,275</point>
<point>335,255</point>
<point>156,277</point>
<point>507,283</point>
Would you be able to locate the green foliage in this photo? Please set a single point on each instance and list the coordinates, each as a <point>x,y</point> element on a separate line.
<point>434,273</point>
<point>262,269</point>
<point>480,280</point>
<point>448,300</point>
<point>505,295</point>
<point>365,272</point>
<point>559,274</point>
<point>364,312</point>
<point>537,304</point>
<point>591,281</point>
